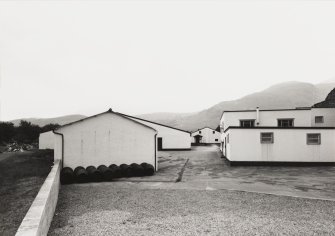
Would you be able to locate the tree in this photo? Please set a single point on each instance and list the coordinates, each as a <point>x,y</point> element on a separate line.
<point>7,132</point>
<point>49,127</point>
<point>27,132</point>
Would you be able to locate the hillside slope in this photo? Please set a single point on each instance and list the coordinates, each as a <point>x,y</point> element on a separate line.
<point>57,120</point>
<point>284,95</point>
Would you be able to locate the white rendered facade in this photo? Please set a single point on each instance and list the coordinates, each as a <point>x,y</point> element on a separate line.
<point>105,139</point>
<point>206,136</point>
<point>268,141</point>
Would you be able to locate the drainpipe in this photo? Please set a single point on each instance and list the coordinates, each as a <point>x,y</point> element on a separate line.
<point>155,151</point>
<point>257,116</point>
<point>62,146</point>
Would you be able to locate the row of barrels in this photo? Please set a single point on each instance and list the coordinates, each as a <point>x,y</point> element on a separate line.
<point>104,173</point>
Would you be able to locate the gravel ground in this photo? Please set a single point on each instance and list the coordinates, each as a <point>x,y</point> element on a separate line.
<point>115,210</point>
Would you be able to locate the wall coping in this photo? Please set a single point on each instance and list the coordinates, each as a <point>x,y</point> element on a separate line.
<point>39,216</point>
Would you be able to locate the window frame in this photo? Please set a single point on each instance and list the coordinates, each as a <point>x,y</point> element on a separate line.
<point>250,120</point>
<point>322,119</point>
<point>308,142</point>
<point>266,142</point>
<point>285,119</point>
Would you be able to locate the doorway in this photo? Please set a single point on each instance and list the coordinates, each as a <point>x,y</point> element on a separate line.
<point>160,144</point>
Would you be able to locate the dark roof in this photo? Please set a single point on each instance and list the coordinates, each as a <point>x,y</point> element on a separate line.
<point>155,123</point>
<point>109,111</point>
<point>329,102</point>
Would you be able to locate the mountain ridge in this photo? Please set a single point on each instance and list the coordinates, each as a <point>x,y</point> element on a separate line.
<point>284,95</point>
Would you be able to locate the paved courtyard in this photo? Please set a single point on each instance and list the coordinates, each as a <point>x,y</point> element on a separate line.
<point>202,202</point>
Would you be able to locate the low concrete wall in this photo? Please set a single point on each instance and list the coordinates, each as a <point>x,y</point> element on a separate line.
<point>38,218</point>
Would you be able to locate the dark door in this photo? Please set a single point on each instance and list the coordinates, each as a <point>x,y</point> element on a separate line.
<point>160,144</point>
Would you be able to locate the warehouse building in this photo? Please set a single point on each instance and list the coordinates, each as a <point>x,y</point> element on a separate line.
<point>168,138</point>
<point>105,139</point>
<point>282,135</point>
<point>205,136</point>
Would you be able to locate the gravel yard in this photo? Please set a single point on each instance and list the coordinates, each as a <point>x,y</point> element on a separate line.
<point>115,210</point>
<point>202,203</point>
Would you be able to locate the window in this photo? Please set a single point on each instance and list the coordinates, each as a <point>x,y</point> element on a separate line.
<point>199,132</point>
<point>227,138</point>
<point>213,132</point>
<point>313,139</point>
<point>267,137</point>
<point>247,123</point>
<point>285,123</point>
<point>319,119</point>
<point>216,140</point>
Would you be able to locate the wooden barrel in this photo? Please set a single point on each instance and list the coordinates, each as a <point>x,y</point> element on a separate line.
<point>137,170</point>
<point>125,170</point>
<point>106,172</point>
<point>81,175</point>
<point>67,176</point>
<point>116,171</point>
<point>149,170</point>
<point>94,175</point>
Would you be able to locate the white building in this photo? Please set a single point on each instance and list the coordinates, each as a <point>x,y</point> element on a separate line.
<point>282,135</point>
<point>205,136</point>
<point>46,140</point>
<point>105,139</point>
<point>168,138</point>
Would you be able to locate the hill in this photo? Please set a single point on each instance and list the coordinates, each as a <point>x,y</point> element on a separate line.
<point>44,121</point>
<point>283,95</point>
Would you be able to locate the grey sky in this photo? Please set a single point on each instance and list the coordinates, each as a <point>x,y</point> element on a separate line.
<point>60,58</point>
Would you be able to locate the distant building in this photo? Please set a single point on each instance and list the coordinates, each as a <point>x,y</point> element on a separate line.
<point>282,135</point>
<point>105,139</point>
<point>205,136</point>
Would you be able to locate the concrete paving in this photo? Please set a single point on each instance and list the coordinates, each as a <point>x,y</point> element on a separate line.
<point>206,170</point>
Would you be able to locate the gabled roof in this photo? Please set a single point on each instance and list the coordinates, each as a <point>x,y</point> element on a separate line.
<point>329,102</point>
<point>154,123</point>
<point>106,112</point>
<point>205,128</point>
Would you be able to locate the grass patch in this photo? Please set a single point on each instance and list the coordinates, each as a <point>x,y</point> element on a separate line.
<point>21,176</point>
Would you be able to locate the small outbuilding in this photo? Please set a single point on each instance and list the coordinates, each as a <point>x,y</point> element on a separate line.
<point>206,136</point>
<point>46,140</point>
<point>105,139</point>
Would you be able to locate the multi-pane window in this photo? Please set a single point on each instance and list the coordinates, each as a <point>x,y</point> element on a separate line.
<point>247,123</point>
<point>314,139</point>
<point>319,119</point>
<point>216,140</point>
<point>285,123</point>
<point>267,137</point>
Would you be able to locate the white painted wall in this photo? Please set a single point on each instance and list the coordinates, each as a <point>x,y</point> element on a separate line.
<point>290,145</point>
<point>106,139</point>
<point>172,138</point>
<point>208,135</point>
<point>46,140</point>
<point>267,118</point>
<point>328,115</point>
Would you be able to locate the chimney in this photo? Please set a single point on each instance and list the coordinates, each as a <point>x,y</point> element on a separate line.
<point>257,116</point>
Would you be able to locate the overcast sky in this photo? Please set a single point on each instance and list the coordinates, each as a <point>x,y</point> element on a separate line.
<point>59,58</point>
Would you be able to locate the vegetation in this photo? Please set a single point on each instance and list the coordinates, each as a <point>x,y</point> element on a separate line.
<point>26,132</point>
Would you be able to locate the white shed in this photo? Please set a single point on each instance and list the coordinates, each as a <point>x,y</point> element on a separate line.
<point>168,138</point>
<point>206,136</point>
<point>105,139</point>
<point>46,140</point>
